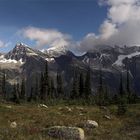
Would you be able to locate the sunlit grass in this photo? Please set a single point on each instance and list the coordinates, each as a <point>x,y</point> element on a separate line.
<point>31,119</point>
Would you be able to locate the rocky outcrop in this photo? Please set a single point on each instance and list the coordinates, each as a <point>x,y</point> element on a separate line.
<point>66,133</point>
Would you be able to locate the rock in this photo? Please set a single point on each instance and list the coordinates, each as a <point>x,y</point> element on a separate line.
<point>13,125</point>
<point>104,108</point>
<point>8,106</point>
<point>81,114</point>
<point>69,109</point>
<point>66,133</point>
<point>43,105</point>
<point>60,108</point>
<point>90,124</point>
<point>80,108</point>
<point>65,109</point>
<point>107,117</point>
<point>58,113</point>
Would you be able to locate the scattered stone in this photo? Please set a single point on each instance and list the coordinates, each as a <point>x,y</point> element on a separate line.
<point>43,105</point>
<point>60,108</point>
<point>91,124</point>
<point>65,109</point>
<point>107,117</point>
<point>8,106</point>
<point>69,109</point>
<point>80,108</point>
<point>66,133</point>
<point>13,125</point>
<point>81,114</point>
<point>104,108</point>
<point>58,113</point>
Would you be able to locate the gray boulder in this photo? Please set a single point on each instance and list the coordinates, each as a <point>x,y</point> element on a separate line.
<point>66,133</point>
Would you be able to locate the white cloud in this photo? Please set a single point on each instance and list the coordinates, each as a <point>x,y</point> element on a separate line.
<point>1,44</point>
<point>118,2</point>
<point>121,27</point>
<point>46,37</point>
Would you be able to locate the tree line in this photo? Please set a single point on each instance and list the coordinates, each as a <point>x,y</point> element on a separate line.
<point>46,88</point>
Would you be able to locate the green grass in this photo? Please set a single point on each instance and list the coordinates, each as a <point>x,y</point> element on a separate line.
<point>31,119</point>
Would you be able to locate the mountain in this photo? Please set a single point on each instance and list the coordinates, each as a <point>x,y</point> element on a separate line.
<point>55,51</point>
<point>25,62</point>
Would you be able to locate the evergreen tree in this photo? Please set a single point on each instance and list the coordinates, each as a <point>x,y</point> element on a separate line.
<point>81,85</point>
<point>4,85</point>
<point>134,98</point>
<point>128,87</point>
<point>128,83</point>
<point>121,91</point>
<point>115,99</point>
<point>31,95</point>
<point>52,89</point>
<point>122,105</point>
<point>122,99</point>
<point>15,94</point>
<point>87,84</point>
<point>18,89</point>
<point>42,90</point>
<point>75,91</point>
<point>36,92</point>
<point>106,97</point>
<point>101,92</point>
<point>22,92</point>
<point>60,89</point>
<point>46,83</point>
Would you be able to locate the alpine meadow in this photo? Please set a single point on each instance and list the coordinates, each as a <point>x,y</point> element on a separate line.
<point>69,70</point>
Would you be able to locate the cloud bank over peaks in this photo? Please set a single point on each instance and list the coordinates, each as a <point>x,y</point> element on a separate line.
<point>46,37</point>
<point>121,27</point>
<point>3,44</point>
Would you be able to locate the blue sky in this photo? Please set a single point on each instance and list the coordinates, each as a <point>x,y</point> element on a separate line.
<point>74,17</point>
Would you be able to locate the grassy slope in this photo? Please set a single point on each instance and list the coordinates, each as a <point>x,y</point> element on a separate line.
<point>31,119</point>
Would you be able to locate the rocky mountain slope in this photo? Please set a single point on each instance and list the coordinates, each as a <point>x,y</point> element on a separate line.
<point>24,61</point>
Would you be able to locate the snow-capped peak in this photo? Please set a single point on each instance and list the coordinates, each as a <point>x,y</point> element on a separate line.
<point>119,61</point>
<point>55,51</point>
<point>21,51</point>
<point>21,44</point>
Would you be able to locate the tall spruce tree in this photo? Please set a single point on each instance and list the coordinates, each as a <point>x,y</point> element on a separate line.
<point>88,84</point>
<point>75,86</point>
<point>52,89</point>
<point>36,90</point>
<point>60,88</point>
<point>15,94</point>
<point>46,83</point>
<point>128,86</point>
<point>121,90</point>
<point>101,92</point>
<point>42,89</point>
<point>81,85</point>
<point>122,100</point>
<point>23,91</point>
<point>30,98</point>
<point>128,81</point>
<point>4,85</point>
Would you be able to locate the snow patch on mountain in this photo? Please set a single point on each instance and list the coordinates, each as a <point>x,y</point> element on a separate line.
<point>55,51</point>
<point>119,61</point>
<point>50,59</point>
<point>30,52</point>
<point>4,60</point>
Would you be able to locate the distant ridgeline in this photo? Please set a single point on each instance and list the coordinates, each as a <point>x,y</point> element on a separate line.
<point>99,75</point>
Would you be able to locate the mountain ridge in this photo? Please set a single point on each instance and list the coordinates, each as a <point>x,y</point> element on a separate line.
<point>24,61</point>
